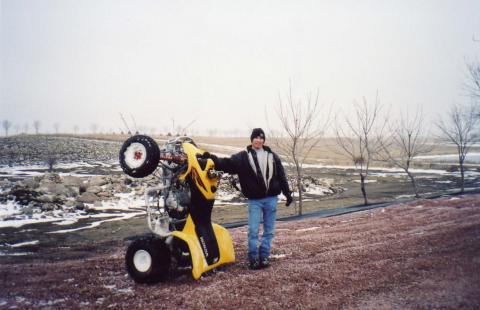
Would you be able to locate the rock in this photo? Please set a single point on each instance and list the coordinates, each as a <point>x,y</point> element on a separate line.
<point>104,194</point>
<point>94,189</point>
<point>46,198</point>
<point>73,205</point>
<point>5,182</point>
<point>80,205</point>
<point>28,210</point>
<point>87,197</point>
<point>22,194</point>
<point>97,204</point>
<point>72,181</point>
<point>56,189</point>
<point>51,177</point>
<point>48,207</point>
<point>31,183</point>
<point>74,191</point>
<point>89,210</point>
<point>122,189</point>
<point>97,180</point>
<point>70,203</point>
<point>82,189</point>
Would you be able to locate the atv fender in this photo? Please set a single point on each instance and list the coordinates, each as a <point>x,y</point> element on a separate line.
<point>199,263</point>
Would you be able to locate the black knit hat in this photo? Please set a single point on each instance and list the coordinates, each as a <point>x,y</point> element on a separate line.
<point>257,132</point>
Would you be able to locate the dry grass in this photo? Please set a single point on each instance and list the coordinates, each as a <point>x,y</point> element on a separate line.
<point>421,255</point>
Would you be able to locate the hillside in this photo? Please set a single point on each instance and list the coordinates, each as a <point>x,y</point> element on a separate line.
<point>408,256</point>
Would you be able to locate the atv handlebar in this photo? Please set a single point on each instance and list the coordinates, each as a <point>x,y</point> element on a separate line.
<point>178,159</point>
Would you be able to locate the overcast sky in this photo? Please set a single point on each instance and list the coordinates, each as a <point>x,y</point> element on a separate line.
<point>222,63</point>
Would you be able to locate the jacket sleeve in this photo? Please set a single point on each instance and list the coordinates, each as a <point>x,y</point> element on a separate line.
<point>281,175</point>
<point>229,165</point>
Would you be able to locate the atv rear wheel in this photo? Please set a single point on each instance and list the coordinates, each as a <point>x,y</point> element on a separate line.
<point>148,260</point>
<point>139,156</point>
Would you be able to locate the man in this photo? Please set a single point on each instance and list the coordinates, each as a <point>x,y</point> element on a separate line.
<point>262,178</point>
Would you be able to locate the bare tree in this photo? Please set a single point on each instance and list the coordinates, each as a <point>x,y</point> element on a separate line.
<point>93,128</point>
<point>51,154</point>
<point>474,80</point>
<point>6,124</point>
<point>360,139</point>
<point>36,125</point>
<point>301,131</point>
<point>17,128</point>
<point>56,127</point>
<point>407,141</point>
<point>76,129</point>
<point>212,132</point>
<point>459,128</point>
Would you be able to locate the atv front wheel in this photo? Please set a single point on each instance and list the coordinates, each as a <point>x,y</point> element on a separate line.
<point>148,260</point>
<point>139,156</point>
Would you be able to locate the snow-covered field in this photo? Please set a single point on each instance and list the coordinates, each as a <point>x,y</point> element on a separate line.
<point>127,206</point>
<point>472,158</point>
<point>123,206</point>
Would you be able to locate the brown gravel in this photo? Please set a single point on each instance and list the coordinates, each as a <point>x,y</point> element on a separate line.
<point>420,255</point>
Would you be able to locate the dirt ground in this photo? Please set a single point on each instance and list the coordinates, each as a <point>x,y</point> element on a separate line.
<point>419,255</point>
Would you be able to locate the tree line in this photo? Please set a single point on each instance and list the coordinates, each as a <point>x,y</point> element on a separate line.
<point>370,134</point>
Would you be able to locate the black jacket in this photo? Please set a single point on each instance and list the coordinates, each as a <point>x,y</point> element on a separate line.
<point>252,184</point>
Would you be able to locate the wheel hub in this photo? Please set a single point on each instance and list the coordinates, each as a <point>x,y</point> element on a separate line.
<point>142,260</point>
<point>135,155</point>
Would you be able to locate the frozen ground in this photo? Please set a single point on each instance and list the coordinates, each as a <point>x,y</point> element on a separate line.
<point>132,205</point>
<point>124,206</point>
<point>95,158</point>
<point>473,158</point>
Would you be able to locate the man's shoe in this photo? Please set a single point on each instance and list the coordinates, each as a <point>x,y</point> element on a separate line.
<point>254,265</point>
<point>264,262</point>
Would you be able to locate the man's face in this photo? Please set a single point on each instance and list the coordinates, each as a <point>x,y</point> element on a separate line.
<point>257,143</point>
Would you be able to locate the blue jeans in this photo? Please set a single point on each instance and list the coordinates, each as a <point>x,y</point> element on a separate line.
<point>266,207</point>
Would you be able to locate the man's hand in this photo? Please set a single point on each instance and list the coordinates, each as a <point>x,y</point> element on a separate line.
<point>207,155</point>
<point>289,199</point>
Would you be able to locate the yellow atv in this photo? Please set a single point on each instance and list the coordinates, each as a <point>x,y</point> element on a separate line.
<point>179,210</point>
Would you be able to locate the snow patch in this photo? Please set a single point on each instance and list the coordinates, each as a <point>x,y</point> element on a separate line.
<point>20,244</point>
<point>3,253</point>
<point>126,290</point>
<point>404,196</point>
<point>278,256</point>
<point>34,170</point>
<point>95,224</point>
<point>131,205</point>
<point>9,209</point>
<point>307,229</point>
<point>470,158</point>
<point>365,181</point>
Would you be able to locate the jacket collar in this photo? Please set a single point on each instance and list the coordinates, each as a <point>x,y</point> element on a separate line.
<point>266,148</point>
